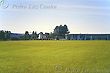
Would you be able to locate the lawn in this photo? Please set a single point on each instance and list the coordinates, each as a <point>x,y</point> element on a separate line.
<point>54,56</point>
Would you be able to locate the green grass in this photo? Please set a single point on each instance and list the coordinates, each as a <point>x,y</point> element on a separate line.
<point>54,57</point>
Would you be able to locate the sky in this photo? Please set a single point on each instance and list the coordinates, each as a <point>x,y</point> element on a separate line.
<point>81,16</point>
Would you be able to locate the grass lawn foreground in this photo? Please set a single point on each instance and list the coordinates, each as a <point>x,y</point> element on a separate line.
<point>54,56</point>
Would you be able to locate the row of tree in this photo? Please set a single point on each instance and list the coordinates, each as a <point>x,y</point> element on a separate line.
<point>33,36</point>
<point>5,35</point>
<point>59,33</point>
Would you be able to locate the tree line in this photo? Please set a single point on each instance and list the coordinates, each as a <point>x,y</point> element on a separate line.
<point>33,36</point>
<point>5,35</point>
<point>58,33</point>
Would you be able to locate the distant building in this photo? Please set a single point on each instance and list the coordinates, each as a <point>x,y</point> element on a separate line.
<point>87,37</point>
<point>43,36</point>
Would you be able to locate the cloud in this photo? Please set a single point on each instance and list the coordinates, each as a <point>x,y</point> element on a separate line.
<point>85,9</point>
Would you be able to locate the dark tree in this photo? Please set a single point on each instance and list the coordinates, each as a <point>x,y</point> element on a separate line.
<point>5,35</point>
<point>61,31</point>
<point>34,36</point>
<point>2,35</point>
<point>27,36</point>
<point>51,36</point>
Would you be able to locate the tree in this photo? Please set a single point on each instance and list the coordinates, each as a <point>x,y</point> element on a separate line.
<point>61,31</point>
<point>27,36</point>
<point>5,35</point>
<point>2,35</point>
<point>34,35</point>
<point>51,35</point>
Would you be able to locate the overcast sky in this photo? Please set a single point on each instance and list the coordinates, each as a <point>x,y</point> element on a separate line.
<point>81,16</point>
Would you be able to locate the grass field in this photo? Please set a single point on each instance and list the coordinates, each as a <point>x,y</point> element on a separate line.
<point>54,57</point>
